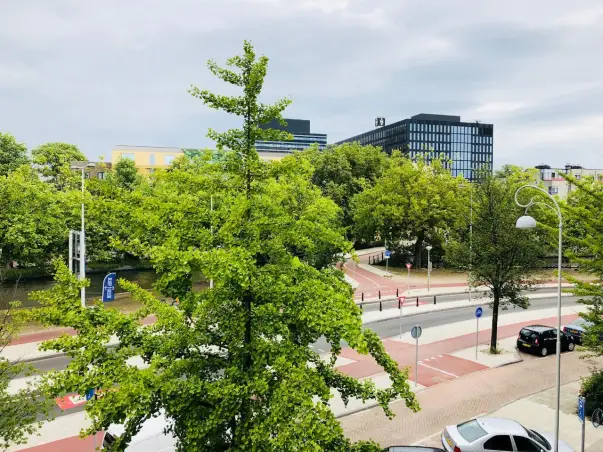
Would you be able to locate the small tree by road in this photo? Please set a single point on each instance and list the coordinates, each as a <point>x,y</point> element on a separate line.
<point>504,259</point>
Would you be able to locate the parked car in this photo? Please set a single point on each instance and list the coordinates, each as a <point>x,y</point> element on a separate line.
<point>577,328</point>
<point>543,340</point>
<point>150,438</point>
<point>413,449</point>
<point>491,434</point>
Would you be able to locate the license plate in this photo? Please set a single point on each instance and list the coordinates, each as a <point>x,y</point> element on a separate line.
<point>449,441</point>
<point>573,331</point>
<point>527,345</point>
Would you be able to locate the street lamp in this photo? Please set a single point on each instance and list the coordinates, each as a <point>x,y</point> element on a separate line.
<point>82,166</point>
<point>528,222</point>
<point>470,230</point>
<point>428,247</point>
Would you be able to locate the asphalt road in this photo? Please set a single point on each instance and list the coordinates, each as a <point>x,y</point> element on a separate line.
<point>385,328</point>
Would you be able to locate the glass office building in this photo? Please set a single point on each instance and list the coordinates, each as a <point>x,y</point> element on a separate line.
<point>302,138</point>
<point>467,145</point>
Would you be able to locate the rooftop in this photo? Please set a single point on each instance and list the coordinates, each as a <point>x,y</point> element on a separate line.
<point>126,147</point>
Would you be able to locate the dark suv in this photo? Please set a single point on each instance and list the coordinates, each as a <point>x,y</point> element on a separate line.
<point>542,340</point>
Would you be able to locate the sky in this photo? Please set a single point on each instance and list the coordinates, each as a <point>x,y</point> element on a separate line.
<point>97,74</point>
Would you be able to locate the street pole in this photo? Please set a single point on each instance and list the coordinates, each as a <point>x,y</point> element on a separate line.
<point>527,222</point>
<point>83,248</point>
<point>476,337</point>
<point>428,266</point>
<point>470,235</point>
<point>408,280</point>
<point>211,228</point>
<point>401,306</point>
<point>417,358</point>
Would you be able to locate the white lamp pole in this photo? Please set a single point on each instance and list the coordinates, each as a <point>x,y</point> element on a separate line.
<point>82,166</point>
<point>211,228</point>
<point>470,229</point>
<point>527,222</point>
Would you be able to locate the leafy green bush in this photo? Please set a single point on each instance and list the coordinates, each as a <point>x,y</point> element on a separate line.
<point>592,389</point>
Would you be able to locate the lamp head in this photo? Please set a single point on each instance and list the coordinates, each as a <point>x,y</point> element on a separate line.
<point>428,247</point>
<point>525,222</point>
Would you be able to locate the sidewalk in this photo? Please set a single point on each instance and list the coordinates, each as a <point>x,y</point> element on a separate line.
<point>538,412</point>
<point>460,399</point>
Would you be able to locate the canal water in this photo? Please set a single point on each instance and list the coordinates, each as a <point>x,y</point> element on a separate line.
<point>18,291</point>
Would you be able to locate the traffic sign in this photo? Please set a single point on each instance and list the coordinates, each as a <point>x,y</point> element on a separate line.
<point>478,312</point>
<point>89,394</point>
<point>388,253</point>
<point>401,299</point>
<point>581,405</point>
<point>409,266</point>
<point>109,287</point>
<point>416,332</point>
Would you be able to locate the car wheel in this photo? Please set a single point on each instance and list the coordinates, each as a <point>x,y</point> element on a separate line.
<point>544,351</point>
<point>571,346</point>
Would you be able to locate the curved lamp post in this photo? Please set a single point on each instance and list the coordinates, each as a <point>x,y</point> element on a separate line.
<point>528,222</point>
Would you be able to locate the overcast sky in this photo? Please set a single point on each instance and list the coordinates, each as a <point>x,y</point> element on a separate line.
<point>98,74</point>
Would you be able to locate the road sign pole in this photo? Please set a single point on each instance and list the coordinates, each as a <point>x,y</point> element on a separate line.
<point>401,303</point>
<point>417,360</point>
<point>581,410</point>
<point>478,313</point>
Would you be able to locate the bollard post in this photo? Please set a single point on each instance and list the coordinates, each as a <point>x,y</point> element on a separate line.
<point>362,296</point>
<point>361,307</point>
<point>417,302</point>
<point>399,304</point>
<point>379,295</point>
<point>380,306</point>
<point>397,295</point>
<point>381,257</point>
<point>434,299</point>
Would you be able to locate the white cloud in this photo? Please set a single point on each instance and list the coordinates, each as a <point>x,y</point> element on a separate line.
<point>98,73</point>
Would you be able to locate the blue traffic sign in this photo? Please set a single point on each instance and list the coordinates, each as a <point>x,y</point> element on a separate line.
<point>387,254</point>
<point>581,405</point>
<point>109,287</point>
<point>89,394</point>
<point>478,312</point>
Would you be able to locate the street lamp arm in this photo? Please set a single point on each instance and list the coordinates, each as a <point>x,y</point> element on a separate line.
<point>531,203</point>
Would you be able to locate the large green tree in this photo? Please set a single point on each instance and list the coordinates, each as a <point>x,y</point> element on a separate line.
<point>33,225</point>
<point>125,174</point>
<point>410,204</point>
<point>583,240</point>
<point>54,160</point>
<point>503,258</point>
<point>342,171</point>
<point>231,366</point>
<point>12,154</point>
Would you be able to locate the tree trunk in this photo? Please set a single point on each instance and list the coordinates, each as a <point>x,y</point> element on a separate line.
<point>494,336</point>
<point>418,248</point>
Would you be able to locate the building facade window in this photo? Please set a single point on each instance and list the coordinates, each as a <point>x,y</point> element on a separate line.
<point>553,190</point>
<point>168,159</point>
<point>100,175</point>
<point>151,159</point>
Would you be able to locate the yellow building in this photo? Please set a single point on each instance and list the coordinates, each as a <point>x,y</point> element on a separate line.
<point>146,158</point>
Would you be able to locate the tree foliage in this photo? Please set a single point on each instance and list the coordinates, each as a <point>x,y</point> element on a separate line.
<point>232,367</point>
<point>12,154</point>
<point>125,174</point>
<point>410,204</point>
<point>33,225</point>
<point>503,258</point>
<point>54,160</point>
<point>19,408</point>
<point>342,171</point>
<point>584,242</point>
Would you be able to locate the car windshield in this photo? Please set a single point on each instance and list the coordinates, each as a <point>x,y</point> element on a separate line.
<point>581,323</point>
<point>471,430</point>
<point>538,438</point>
<point>528,335</point>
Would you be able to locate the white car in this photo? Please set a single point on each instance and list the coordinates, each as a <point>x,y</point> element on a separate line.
<point>491,434</point>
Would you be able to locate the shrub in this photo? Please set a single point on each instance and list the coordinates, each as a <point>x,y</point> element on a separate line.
<point>592,389</point>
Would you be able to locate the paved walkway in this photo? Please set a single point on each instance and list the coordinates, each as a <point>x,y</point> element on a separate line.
<point>460,399</point>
